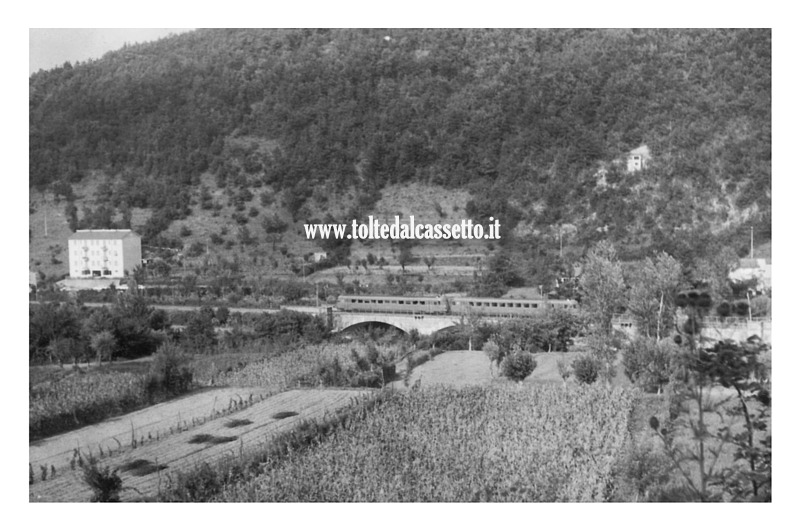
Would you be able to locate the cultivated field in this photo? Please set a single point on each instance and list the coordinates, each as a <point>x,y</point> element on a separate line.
<point>458,445</point>
<point>146,425</point>
<point>148,468</point>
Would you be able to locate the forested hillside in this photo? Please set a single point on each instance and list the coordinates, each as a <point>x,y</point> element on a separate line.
<point>521,119</point>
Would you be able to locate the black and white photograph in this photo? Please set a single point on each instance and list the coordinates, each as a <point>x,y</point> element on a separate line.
<point>398,265</point>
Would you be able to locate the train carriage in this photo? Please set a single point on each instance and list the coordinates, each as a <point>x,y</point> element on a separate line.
<point>499,306</point>
<point>392,304</point>
<point>450,305</point>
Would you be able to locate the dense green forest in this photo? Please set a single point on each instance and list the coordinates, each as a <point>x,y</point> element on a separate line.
<point>521,118</point>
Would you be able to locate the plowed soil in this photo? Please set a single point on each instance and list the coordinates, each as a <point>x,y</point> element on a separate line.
<point>144,470</point>
<point>153,422</point>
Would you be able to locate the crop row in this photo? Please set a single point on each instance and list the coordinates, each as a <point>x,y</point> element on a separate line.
<point>288,369</point>
<point>504,443</point>
<point>80,399</point>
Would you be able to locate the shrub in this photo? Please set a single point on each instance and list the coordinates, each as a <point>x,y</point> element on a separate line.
<point>106,484</point>
<point>492,351</point>
<point>195,249</point>
<point>201,484</point>
<point>170,372</point>
<point>649,364</point>
<point>223,314</point>
<point>518,365</point>
<point>586,369</point>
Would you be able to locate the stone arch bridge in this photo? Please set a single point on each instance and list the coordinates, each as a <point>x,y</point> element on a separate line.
<point>424,324</point>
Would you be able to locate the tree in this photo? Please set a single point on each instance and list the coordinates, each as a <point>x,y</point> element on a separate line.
<point>161,268</point>
<point>405,257</point>
<point>602,286</point>
<point>200,333</point>
<point>274,226</point>
<point>712,273</point>
<point>139,274</point>
<point>104,344</point>
<point>429,261</point>
<point>131,317</point>
<point>49,323</point>
<point>651,299</point>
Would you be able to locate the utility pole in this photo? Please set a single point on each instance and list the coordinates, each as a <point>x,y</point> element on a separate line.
<point>560,245</point>
<point>751,242</point>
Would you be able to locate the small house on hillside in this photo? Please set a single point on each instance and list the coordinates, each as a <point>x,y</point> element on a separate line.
<point>103,253</point>
<point>638,159</point>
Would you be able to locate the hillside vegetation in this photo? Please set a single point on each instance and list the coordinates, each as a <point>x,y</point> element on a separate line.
<point>255,131</point>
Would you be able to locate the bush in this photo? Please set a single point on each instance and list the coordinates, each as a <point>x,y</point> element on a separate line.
<point>106,484</point>
<point>518,366</point>
<point>493,352</point>
<point>649,364</point>
<point>195,249</point>
<point>170,372</point>
<point>198,485</point>
<point>586,369</point>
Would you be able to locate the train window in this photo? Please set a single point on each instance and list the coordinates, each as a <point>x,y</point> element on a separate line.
<point>380,301</point>
<point>401,302</point>
<point>535,305</point>
<point>526,305</point>
<point>494,304</point>
<point>472,304</point>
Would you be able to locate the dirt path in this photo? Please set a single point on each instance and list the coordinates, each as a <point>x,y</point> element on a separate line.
<point>209,443</point>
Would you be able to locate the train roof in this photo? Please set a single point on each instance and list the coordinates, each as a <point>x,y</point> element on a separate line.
<point>513,300</point>
<point>375,297</point>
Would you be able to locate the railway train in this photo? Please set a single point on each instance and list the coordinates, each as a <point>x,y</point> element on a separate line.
<point>450,305</point>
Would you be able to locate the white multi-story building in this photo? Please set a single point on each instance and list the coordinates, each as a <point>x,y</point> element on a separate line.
<point>104,253</point>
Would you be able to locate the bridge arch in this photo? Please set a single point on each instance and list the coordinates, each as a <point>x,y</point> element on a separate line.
<point>371,323</point>
<point>424,324</point>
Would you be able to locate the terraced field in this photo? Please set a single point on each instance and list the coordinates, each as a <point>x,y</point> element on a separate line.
<point>147,467</point>
<point>146,425</point>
